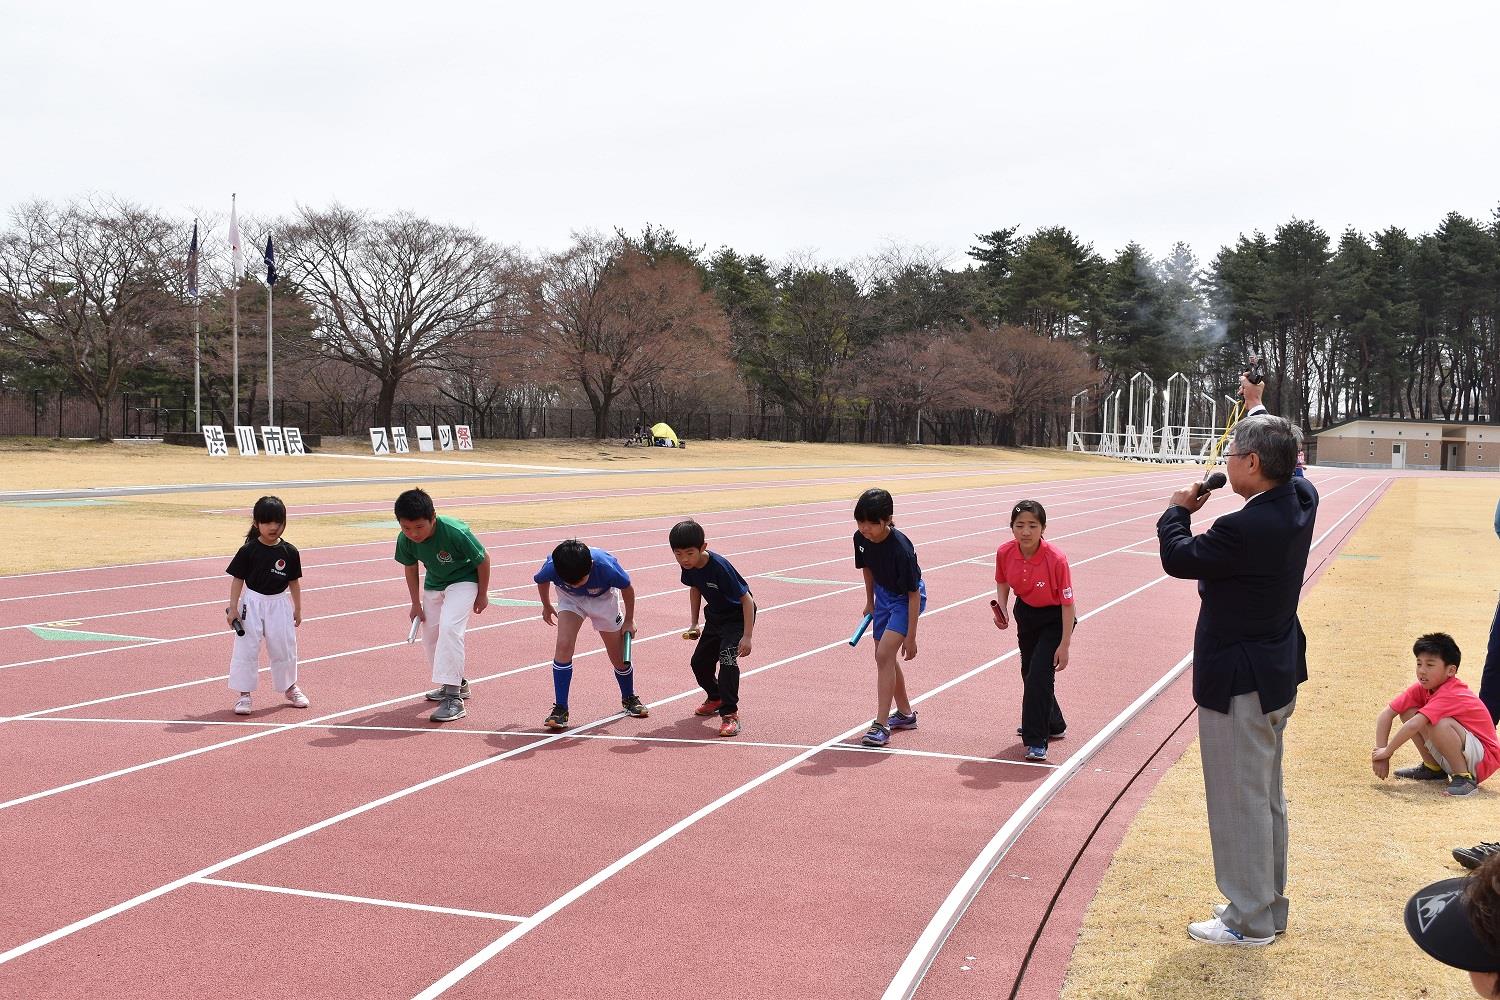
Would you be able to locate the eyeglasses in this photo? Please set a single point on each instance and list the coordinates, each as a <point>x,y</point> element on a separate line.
<point>1237,454</point>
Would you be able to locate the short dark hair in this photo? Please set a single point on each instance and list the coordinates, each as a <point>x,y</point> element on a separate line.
<point>687,535</point>
<point>1483,896</point>
<point>572,560</point>
<point>1029,507</point>
<point>1439,644</point>
<point>414,505</point>
<point>874,505</point>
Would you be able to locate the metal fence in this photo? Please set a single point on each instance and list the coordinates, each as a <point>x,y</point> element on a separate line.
<point>132,415</point>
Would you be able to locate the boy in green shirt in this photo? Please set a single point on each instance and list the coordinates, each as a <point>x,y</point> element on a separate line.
<point>458,581</point>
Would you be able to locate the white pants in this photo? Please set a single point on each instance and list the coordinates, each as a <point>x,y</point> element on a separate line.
<point>1473,754</point>
<point>447,618</point>
<point>268,620</point>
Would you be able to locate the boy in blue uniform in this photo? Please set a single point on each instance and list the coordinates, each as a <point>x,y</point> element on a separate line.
<point>895,595</point>
<point>591,585</point>
<point>730,615</point>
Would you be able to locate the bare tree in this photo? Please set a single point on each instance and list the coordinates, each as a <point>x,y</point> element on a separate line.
<point>84,287</point>
<point>393,295</point>
<point>910,372</point>
<point>612,319</point>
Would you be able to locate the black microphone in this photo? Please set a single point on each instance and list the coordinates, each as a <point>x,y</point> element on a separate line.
<point>1212,483</point>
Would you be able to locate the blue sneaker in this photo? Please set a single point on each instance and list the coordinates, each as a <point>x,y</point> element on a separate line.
<point>1036,753</point>
<point>878,736</point>
<point>900,720</point>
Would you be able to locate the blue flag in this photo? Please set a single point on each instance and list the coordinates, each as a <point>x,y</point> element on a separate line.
<point>270,262</point>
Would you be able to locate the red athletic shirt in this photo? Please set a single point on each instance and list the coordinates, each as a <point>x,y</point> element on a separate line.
<point>1041,581</point>
<point>1454,700</point>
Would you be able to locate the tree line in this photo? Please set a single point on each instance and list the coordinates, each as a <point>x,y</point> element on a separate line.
<point>94,296</point>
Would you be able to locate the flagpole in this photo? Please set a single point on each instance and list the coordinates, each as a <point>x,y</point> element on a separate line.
<point>270,362</point>
<point>234,305</point>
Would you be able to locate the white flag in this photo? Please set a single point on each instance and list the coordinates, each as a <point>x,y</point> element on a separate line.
<point>234,238</point>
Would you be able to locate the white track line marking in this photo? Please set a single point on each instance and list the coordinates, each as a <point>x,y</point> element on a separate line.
<point>339,897</point>
<point>434,732</point>
<point>904,984</point>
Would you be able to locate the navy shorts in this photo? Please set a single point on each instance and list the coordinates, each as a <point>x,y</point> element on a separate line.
<point>891,610</point>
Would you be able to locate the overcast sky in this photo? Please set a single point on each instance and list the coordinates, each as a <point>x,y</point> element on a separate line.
<point>774,127</point>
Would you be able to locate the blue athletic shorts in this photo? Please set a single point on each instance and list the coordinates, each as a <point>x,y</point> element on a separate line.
<point>891,609</point>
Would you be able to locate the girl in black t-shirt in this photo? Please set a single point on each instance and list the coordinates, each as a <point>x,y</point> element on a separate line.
<point>265,605</point>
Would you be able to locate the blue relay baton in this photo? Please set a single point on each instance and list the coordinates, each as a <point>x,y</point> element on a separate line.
<point>859,633</point>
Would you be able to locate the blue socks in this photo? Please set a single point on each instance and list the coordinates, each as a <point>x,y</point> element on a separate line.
<point>626,680</point>
<point>562,679</point>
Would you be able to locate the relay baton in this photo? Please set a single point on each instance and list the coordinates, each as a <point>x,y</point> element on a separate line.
<point>627,649</point>
<point>416,626</point>
<point>239,621</point>
<point>999,610</point>
<point>859,633</point>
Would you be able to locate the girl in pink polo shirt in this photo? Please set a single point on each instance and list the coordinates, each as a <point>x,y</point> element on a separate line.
<point>1045,617</point>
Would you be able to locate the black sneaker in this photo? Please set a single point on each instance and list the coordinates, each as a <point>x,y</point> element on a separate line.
<point>1422,773</point>
<point>451,710</point>
<point>634,708</point>
<point>1473,857</point>
<point>436,694</point>
<point>558,720</point>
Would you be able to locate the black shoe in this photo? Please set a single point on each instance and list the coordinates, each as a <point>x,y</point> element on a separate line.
<point>451,710</point>
<point>436,694</point>
<point>634,707</point>
<point>558,720</point>
<point>1421,772</point>
<point>1473,857</point>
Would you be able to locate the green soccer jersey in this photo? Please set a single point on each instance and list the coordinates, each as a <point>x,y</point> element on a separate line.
<point>452,555</point>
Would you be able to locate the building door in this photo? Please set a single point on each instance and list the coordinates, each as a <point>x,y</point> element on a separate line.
<point>1398,460</point>
<point>1452,462</point>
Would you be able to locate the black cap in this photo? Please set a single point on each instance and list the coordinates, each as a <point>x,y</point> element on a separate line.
<point>1437,918</point>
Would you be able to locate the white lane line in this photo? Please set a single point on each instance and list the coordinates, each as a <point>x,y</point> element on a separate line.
<point>904,984</point>
<point>598,878</point>
<point>339,897</point>
<point>432,732</point>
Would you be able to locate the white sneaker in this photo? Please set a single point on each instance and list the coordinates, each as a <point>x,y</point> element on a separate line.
<point>1220,908</point>
<point>1214,932</point>
<point>296,697</point>
<point>242,707</point>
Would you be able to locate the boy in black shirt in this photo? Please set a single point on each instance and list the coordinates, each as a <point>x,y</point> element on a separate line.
<point>730,617</point>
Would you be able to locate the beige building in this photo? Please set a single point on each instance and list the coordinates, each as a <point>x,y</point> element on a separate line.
<point>1379,443</point>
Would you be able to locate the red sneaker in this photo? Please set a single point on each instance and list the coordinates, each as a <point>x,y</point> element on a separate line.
<point>730,726</point>
<point>709,707</point>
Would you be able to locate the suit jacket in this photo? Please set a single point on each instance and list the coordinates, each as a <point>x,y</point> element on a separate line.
<point>1249,568</point>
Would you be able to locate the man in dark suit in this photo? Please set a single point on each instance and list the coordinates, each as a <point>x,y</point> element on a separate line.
<point>1249,655</point>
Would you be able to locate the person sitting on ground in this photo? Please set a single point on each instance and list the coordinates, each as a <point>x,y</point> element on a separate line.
<point>1448,723</point>
<point>1457,922</point>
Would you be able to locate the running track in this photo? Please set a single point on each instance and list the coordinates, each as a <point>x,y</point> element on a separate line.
<point>156,845</point>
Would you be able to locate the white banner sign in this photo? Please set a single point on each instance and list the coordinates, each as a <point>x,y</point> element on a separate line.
<point>445,437</point>
<point>465,440</point>
<point>213,437</point>
<point>380,443</point>
<point>272,437</point>
<point>292,438</point>
<point>245,438</point>
<point>398,435</point>
<point>424,437</point>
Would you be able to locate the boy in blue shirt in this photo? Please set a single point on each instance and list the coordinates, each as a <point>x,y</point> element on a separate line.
<point>711,580</point>
<point>591,585</point>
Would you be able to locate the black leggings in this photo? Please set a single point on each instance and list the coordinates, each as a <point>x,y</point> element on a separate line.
<point>1039,633</point>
